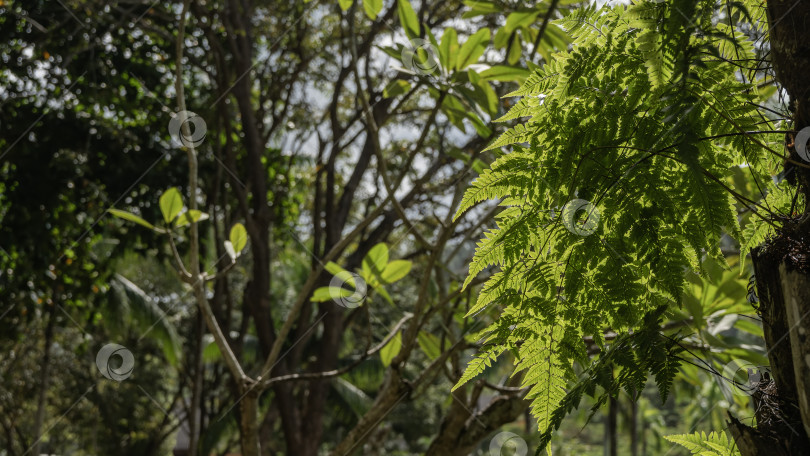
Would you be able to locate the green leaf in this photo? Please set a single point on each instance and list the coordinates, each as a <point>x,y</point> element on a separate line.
<point>396,270</point>
<point>480,7</point>
<point>171,203</point>
<point>345,4</point>
<point>515,52</point>
<point>455,111</point>
<point>478,166</point>
<point>448,49</point>
<point>479,364</point>
<point>132,218</point>
<point>381,291</point>
<point>190,216</point>
<point>473,76</point>
<point>238,237</point>
<point>321,294</point>
<point>714,444</point>
<point>505,73</point>
<point>429,344</point>
<point>391,349</point>
<point>393,52</point>
<point>324,294</point>
<point>372,8</point>
<point>489,99</point>
<point>501,38</point>
<point>408,18</point>
<point>473,48</point>
<point>519,19</point>
<point>375,260</point>
<point>334,268</point>
<point>479,125</point>
<point>396,87</point>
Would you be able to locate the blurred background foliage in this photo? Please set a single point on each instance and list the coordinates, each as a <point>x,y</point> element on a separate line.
<point>86,92</point>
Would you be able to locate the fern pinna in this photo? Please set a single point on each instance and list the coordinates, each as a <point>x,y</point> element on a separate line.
<point>643,120</point>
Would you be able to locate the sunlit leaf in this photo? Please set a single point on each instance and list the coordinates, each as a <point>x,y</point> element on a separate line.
<point>473,48</point>
<point>190,216</point>
<point>372,8</point>
<point>396,270</point>
<point>505,73</point>
<point>396,87</point>
<point>132,218</point>
<point>429,344</point>
<point>238,237</point>
<point>171,203</point>
<point>448,49</point>
<point>408,18</point>
<point>375,260</point>
<point>391,349</point>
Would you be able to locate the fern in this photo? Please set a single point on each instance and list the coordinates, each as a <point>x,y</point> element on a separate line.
<point>780,198</point>
<point>714,444</point>
<point>644,118</point>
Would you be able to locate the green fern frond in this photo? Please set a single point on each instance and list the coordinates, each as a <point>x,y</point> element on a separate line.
<point>714,444</point>
<point>642,121</point>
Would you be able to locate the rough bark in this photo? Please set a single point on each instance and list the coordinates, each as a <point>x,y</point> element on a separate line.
<point>779,427</point>
<point>782,264</point>
<point>249,424</point>
<point>796,289</point>
<point>789,37</point>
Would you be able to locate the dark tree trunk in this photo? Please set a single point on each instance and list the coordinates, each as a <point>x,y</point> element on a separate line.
<point>611,427</point>
<point>249,425</point>
<point>779,419</point>
<point>633,427</point>
<point>44,381</point>
<point>782,266</point>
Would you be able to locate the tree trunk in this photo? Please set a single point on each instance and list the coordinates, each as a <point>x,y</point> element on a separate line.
<point>196,389</point>
<point>249,423</point>
<point>781,400</point>
<point>611,426</point>
<point>782,266</point>
<point>44,382</point>
<point>633,426</point>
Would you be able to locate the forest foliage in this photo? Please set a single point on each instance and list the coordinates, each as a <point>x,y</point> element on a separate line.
<point>314,251</point>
